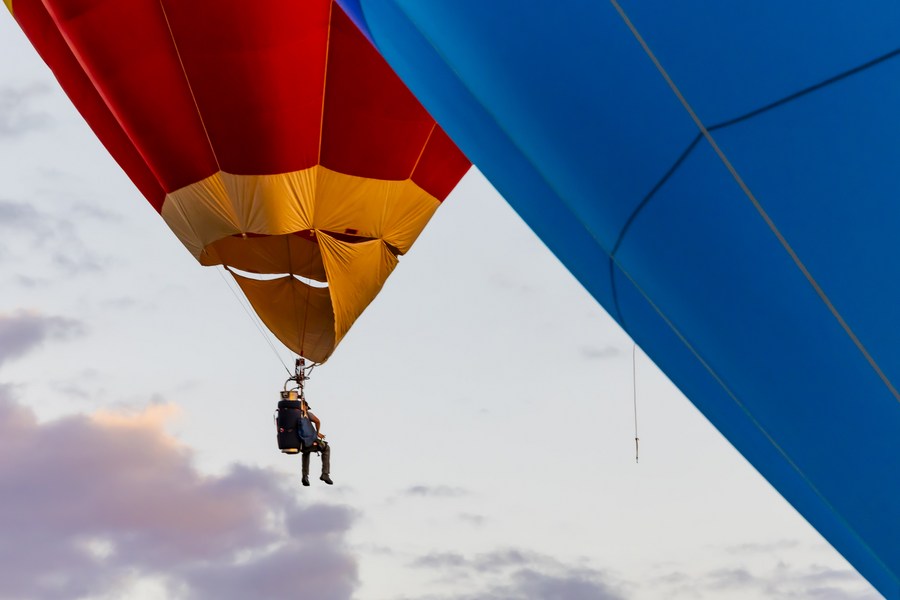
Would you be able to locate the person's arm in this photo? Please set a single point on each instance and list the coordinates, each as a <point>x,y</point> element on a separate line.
<point>317,423</point>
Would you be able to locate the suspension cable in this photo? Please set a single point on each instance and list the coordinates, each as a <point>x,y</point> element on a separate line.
<point>253,318</point>
<point>302,330</point>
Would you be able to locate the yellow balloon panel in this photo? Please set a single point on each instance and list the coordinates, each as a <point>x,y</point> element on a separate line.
<point>300,316</point>
<point>356,273</point>
<point>268,254</point>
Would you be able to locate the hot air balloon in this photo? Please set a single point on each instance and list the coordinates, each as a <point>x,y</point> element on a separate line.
<point>721,176</point>
<point>270,136</point>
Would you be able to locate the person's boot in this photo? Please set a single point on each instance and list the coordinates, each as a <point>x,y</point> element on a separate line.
<point>326,479</point>
<point>306,480</point>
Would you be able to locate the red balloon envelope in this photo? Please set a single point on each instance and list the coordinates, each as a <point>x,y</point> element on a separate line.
<point>270,136</point>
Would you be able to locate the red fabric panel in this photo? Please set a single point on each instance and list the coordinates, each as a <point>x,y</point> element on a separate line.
<point>126,49</point>
<point>257,69</point>
<point>441,166</point>
<point>373,127</point>
<point>40,29</point>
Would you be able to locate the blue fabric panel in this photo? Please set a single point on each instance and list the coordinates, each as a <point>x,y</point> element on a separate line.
<point>737,297</point>
<point>689,374</point>
<point>729,58</point>
<point>570,120</point>
<point>830,182</point>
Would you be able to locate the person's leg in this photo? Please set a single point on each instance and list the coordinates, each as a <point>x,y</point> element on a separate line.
<point>326,463</point>
<point>326,459</point>
<point>305,468</point>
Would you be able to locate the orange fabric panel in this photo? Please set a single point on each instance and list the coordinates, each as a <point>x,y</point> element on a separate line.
<point>313,199</point>
<point>299,315</point>
<point>356,273</point>
<point>268,254</point>
<point>393,211</point>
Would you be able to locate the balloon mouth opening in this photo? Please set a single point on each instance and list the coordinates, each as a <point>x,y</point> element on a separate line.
<point>271,276</point>
<point>265,257</point>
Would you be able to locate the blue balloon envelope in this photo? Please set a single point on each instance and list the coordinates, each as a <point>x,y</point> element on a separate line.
<point>723,178</point>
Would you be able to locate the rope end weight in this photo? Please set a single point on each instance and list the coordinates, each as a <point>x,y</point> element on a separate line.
<point>636,450</point>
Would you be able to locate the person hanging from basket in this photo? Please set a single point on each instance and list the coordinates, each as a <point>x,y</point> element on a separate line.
<point>313,440</point>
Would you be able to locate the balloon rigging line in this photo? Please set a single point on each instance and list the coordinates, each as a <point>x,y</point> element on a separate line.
<point>325,82</point>
<point>733,121</point>
<point>808,90</point>
<point>634,389</point>
<point>190,88</point>
<point>253,318</point>
<point>305,317</point>
<point>293,280</point>
<point>422,153</point>
<point>756,204</point>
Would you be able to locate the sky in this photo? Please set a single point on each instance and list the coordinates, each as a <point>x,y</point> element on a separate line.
<point>481,414</point>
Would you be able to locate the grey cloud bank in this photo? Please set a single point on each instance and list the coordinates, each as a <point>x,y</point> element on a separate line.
<point>91,503</point>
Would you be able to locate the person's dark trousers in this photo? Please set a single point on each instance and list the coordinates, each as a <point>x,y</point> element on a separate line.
<point>325,451</point>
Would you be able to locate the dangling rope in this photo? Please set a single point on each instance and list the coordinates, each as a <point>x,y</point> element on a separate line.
<point>253,318</point>
<point>634,389</point>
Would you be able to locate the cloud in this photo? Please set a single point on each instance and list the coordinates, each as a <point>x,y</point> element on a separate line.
<point>473,519</point>
<point>93,503</point>
<point>757,548</point>
<point>731,578</point>
<point>26,281</point>
<point>93,212</point>
<point>435,491</point>
<point>441,560</point>
<point>515,574</point>
<point>574,585</point>
<point>593,352</point>
<point>17,116</point>
<point>78,262</point>
<point>780,581</point>
<point>519,575</point>
<point>47,235</point>
<point>23,331</point>
<point>18,216</point>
